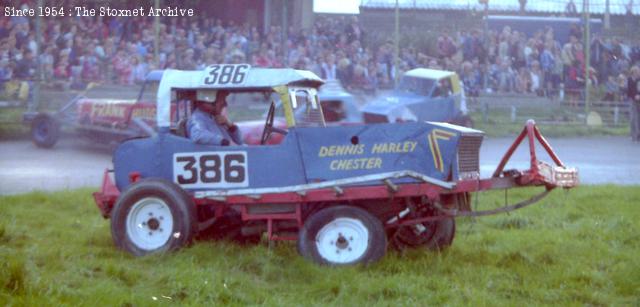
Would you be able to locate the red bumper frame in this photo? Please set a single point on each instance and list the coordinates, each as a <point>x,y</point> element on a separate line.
<point>106,198</point>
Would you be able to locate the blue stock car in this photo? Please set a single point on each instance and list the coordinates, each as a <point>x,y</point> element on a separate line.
<point>343,192</point>
<point>422,95</point>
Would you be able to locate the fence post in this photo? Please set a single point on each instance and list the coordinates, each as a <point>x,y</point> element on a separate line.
<point>513,113</point>
<point>616,115</point>
<point>485,112</point>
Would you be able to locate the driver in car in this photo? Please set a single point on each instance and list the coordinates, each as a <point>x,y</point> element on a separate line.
<point>208,124</point>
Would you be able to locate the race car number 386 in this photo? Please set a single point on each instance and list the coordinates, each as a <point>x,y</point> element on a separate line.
<point>226,75</point>
<point>226,169</point>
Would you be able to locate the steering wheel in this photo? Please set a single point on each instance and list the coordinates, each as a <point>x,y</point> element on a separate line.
<point>268,125</point>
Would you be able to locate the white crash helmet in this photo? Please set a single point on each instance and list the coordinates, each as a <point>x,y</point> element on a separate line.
<point>208,96</point>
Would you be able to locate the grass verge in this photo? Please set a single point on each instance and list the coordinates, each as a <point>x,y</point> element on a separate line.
<point>554,122</point>
<point>11,126</point>
<point>575,248</point>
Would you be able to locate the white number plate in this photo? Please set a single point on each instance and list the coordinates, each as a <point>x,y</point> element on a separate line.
<point>227,74</point>
<point>226,169</point>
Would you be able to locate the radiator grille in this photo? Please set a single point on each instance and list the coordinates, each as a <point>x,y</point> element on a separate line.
<point>469,153</point>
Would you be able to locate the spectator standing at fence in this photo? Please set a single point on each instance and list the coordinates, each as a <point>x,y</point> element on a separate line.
<point>523,80</point>
<point>90,65</point>
<point>471,46</point>
<point>26,67</point>
<point>140,70</point>
<point>503,46</point>
<point>633,92</point>
<point>622,87</point>
<point>547,63</point>
<point>5,73</point>
<point>329,68</point>
<point>47,60</point>
<point>446,46</point>
<point>611,88</point>
<point>537,79</point>
<point>566,54</point>
<point>635,53</point>
<point>372,77</point>
<point>344,72</point>
<point>504,76</point>
<point>558,68</point>
<point>262,60</point>
<point>575,82</point>
<point>26,70</point>
<point>470,80</point>
<point>353,31</point>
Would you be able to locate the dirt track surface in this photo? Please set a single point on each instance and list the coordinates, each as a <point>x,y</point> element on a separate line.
<point>70,164</point>
<point>75,163</point>
<point>600,160</point>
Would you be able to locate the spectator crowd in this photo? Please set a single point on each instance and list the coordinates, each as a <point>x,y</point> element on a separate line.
<point>512,62</point>
<point>79,50</point>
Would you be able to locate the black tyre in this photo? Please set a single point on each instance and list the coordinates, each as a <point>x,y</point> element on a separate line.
<point>342,235</point>
<point>153,216</point>
<point>45,131</point>
<point>433,235</point>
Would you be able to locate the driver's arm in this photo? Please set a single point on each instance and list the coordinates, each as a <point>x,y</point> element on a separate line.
<point>206,134</point>
<point>231,128</point>
<point>235,134</point>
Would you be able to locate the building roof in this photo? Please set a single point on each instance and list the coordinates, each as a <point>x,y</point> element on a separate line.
<point>616,7</point>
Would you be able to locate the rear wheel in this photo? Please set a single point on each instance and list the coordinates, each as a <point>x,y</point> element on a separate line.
<point>342,235</point>
<point>433,235</point>
<point>152,216</point>
<point>45,131</point>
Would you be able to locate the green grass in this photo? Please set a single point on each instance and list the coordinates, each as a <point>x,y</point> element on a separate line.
<point>579,247</point>
<point>558,121</point>
<point>11,126</point>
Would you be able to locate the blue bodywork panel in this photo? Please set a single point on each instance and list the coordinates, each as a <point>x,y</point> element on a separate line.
<point>440,109</point>
<point>340,152</point>
<point>306,155</point>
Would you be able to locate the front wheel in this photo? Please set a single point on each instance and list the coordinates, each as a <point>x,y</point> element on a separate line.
<point>152,216</point>
<point>45,131</point>
<point>342,235</point>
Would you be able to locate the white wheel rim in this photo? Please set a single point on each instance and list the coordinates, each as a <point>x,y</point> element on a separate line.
<point>343,240</point>
<point>149,223</point>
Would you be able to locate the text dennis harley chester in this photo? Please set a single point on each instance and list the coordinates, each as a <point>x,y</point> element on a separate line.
<point>55,11</point>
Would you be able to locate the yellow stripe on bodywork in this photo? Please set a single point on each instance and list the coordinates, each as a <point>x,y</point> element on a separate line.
<point>283,91</point>
<point>455,84</point>
<point>432,138</point>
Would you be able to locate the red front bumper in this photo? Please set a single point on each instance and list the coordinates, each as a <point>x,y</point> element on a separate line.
<point>107,196</point>
<point>539,172</point>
